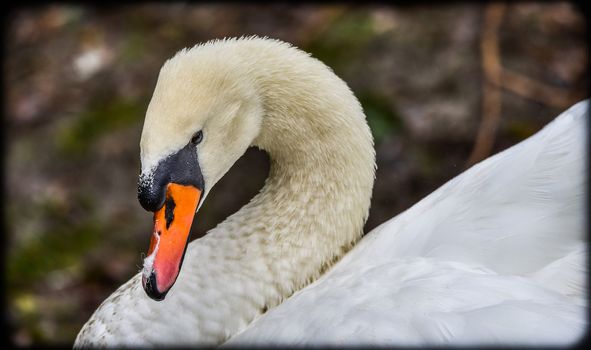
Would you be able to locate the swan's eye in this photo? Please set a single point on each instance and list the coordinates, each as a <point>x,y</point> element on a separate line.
<point>197,138</point>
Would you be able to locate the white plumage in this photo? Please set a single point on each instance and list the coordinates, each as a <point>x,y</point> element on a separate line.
<point>495,256</point>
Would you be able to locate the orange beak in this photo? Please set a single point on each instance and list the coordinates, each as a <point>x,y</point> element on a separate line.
<point>172,224</point>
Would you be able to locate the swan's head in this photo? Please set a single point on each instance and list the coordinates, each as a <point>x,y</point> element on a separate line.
<point>202,117</point>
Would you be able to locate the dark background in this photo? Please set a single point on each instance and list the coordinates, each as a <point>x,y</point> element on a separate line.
<point>442,87</point>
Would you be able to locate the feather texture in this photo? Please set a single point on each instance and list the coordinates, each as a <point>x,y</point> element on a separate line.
<point>496,255</point>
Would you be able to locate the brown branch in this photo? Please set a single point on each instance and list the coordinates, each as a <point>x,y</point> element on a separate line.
<point>497,78</point>
<point>491,94</point>
<point>538,91</point>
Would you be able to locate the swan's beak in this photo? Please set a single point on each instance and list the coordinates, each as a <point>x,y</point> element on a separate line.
<point>172,224</point>
<point>172,191</point>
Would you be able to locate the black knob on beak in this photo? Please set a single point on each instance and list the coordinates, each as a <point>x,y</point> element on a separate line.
<point>181,168</point>
<point>151,193</point>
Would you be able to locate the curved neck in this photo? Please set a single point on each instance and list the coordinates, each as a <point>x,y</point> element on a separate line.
<point>310,211</point>
<point>315,201</point>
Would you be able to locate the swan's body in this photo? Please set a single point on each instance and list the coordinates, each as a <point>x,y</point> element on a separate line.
<point>495,255</point>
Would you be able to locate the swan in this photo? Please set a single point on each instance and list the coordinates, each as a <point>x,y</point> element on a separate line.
<point>495,256</point>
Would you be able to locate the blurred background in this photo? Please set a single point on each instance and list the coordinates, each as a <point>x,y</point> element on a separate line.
<point>442,87</point>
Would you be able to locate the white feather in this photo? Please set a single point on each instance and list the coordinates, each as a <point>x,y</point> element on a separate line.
<point>495,256</point>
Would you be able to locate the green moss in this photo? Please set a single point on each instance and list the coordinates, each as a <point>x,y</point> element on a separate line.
<point>135,46</point>
<point>67,236</point>
<point>99,119</point>
<point>381,117</point>
<point>343,40</point>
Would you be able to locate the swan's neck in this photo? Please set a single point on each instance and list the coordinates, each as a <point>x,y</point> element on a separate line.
<point>313,205</point>
<point>310,211</point>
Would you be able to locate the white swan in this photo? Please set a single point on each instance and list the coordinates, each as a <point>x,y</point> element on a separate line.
<point>496,255</point>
